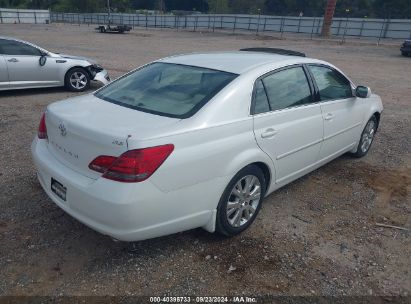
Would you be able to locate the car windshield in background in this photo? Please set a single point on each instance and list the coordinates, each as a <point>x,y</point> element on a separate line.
<point>167,89</point>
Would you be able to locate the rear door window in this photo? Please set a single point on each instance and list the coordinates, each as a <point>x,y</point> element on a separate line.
<point>287,88</point>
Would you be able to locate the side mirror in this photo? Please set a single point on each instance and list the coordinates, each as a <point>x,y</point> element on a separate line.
<point>363,92</point>
<point>42,60</point>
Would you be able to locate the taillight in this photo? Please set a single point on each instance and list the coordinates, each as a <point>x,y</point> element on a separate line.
<point>102,163</point>
<point>42,132</point>
<point>132,166</point>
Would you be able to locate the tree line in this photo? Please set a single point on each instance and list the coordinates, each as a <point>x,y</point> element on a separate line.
<point>350,8</point>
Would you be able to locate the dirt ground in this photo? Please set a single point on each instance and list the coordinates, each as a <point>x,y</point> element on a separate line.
<point>316,236</point>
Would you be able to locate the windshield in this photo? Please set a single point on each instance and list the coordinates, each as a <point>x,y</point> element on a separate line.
<point>166,89</point>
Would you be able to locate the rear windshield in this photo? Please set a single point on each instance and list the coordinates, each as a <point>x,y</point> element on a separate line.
<point>166,89</point>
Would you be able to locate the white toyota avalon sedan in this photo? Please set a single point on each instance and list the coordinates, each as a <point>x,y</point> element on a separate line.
<point>198,140</point>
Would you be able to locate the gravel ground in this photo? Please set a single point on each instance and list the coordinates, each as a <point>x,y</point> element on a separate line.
<point>314,236</point>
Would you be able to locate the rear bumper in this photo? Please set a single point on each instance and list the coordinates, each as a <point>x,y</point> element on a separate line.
<point>125,211</point>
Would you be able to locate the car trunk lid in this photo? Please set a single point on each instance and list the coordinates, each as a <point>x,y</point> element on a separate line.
<point>81,128</point>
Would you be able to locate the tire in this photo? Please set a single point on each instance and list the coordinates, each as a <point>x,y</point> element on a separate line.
<point>77,80</point>
<point>403,53</point>
<point>226,223</point>
<point>367,137</point>
<point>102,29</point>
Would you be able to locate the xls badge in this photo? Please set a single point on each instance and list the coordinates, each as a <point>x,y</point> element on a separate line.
<point>62,128</point>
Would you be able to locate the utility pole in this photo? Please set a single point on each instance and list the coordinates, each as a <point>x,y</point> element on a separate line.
<point>109,13</point>
<point>328,18</point>
<point>161,6</point>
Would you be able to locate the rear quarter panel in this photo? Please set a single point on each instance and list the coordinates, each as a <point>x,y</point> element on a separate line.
<point>205,154</point>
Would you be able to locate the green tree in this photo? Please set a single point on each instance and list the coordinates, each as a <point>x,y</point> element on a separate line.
<point>218,6</point>
<point>246,6</point>
<point>357,8</point>
<point>276,7</point>
<point>186,5</point>
<point>144,4</point>
<point>400,9</point>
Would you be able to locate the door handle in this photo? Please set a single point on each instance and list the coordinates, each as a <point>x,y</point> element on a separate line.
<point>12,60</point>
<point>269,133</point>
<point>329,116</point>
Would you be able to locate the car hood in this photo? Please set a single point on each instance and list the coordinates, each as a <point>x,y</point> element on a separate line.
<point>67,56</point>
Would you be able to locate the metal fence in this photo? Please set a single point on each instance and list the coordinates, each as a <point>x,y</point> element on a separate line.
<point>354,27</point>
<point>24,16</point>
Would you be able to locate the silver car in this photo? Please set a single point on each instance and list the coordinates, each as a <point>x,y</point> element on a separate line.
<point>25,65</point>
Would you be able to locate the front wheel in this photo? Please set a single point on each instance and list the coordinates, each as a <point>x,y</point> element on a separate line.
<point>241,201</point>
<point>77,80</point>
<point>367,137</point>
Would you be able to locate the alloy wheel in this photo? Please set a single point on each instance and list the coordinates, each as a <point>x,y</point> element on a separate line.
<point>243,200</point>
<point>368,136</point>
<point>78,80</point>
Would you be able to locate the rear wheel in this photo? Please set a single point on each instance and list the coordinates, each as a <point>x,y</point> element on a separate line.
<point>77,80</point>
<point>241,201</point>
<point>404,53</point>
<point>102,29</point>
<point>367,137</point>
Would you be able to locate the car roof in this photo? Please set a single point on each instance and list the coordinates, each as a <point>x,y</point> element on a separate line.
<point>237,62</point>
<point>12,38</point>
<point>23,41</point>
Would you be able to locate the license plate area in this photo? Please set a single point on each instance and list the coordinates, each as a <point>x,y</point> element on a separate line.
<point>58,189</point>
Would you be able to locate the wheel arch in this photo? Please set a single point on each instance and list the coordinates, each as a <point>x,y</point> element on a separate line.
<point>266,171</point>
<point>378,117</point>
<point>221,224</point>
<point>374,108</point>
<point>254,157</point>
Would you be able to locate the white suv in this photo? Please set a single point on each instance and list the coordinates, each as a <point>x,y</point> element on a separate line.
<point>198,140</point>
